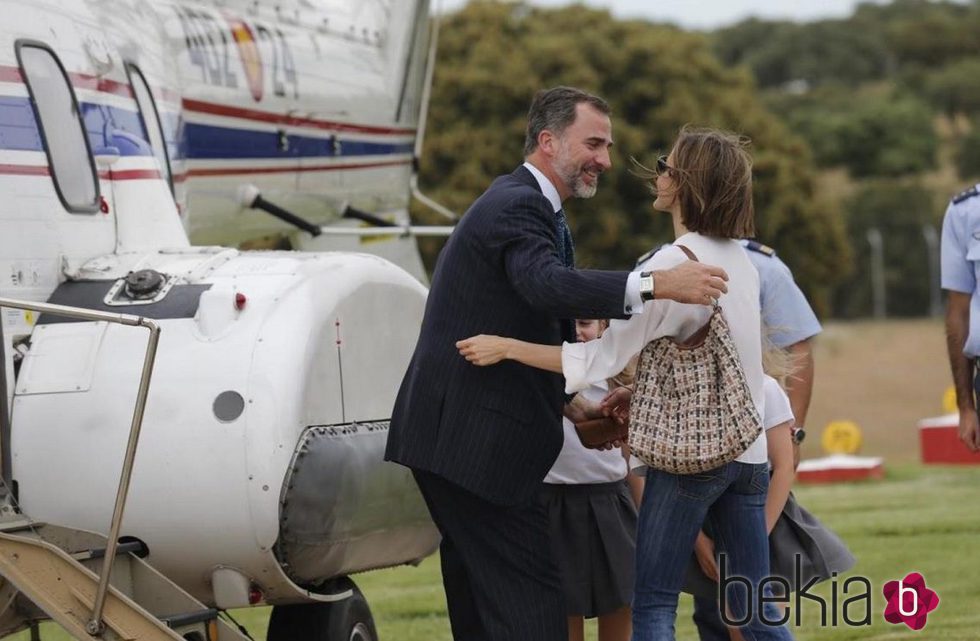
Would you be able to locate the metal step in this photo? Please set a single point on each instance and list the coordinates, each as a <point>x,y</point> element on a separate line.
<point>65,591</point>
<point>51,572</point>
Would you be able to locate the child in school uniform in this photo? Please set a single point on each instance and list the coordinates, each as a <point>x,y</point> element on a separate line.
<point>593,523</point>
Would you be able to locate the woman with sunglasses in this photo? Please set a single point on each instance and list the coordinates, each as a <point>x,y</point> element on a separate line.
<point>705,185</point>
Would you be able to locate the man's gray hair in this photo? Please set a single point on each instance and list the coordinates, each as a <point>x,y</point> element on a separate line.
<point>554,109</point>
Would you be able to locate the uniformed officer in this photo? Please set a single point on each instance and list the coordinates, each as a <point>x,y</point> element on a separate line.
<point>960,260</point>
<point>789,321</point>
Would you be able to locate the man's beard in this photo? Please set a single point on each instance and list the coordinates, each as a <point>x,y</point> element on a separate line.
<point>571,175</point>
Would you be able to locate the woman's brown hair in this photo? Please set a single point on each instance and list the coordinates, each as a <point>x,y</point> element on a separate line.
<point>712,171</point>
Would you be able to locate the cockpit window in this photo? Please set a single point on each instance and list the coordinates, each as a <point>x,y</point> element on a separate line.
<point>62,130</point>
<point>151,121</point>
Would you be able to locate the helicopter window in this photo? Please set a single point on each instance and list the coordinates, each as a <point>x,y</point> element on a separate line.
<point>151,120</point>
<point>61,127</point>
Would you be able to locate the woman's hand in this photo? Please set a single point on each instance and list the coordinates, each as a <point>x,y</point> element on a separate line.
<point>484,349</point>
<point>616,404</point>
<point>704,551</point>
<point>581,409</point>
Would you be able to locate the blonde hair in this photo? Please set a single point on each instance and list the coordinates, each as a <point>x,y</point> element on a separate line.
<point>777,362</point>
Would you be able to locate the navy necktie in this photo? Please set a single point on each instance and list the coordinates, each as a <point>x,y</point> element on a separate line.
<point>566,249</point>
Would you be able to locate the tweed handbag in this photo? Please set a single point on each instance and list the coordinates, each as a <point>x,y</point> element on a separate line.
<point>692,410</point>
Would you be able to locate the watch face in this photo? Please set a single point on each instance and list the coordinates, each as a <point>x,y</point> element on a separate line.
<point>646,287</point>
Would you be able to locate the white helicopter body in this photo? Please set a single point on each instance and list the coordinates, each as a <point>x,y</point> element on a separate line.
<point>129,129</point>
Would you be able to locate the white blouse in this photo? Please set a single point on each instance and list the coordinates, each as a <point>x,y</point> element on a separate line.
<point>587,363</point>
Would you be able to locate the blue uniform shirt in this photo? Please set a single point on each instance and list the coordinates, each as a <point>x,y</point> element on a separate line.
<point>785,311</point>
<point>961,257</point>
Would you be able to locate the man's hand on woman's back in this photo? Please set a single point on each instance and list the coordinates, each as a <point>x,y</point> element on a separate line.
<point>690,282</point>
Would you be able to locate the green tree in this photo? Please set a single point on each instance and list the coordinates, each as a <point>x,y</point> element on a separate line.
<point>836,51</point>
<point>968,155</point>
<point>955,88</point>
<point>494,56</point>
<point>898,210</point>
<point>924,32</point>
<point>888,137</point>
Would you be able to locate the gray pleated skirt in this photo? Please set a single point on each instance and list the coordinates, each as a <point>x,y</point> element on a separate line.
<point>593,535</point>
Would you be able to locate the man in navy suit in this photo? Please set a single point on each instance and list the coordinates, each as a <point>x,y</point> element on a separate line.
<point>480,440</point>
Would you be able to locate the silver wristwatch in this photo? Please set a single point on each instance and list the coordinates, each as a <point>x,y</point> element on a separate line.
<point>646,286</point>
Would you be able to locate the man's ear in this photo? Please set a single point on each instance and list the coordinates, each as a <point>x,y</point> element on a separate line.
<point>548,142</point>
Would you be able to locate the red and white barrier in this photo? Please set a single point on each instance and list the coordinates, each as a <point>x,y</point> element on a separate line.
<point>939,441</point>
<point>840,467</point>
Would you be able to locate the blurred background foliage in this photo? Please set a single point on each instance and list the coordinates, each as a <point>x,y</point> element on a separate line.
<point>857,123</point>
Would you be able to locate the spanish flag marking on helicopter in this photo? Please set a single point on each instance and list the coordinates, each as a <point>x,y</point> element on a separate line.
<point>248,49</point>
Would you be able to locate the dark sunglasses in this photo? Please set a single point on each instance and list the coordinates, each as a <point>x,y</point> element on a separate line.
<point>662,166</point>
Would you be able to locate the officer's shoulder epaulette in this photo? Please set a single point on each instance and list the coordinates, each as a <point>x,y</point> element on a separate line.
<point>645,257</point>
<point>756,246</point>
<point>965,195</point>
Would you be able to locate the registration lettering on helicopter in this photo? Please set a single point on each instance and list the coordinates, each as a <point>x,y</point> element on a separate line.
<point>212,40</point>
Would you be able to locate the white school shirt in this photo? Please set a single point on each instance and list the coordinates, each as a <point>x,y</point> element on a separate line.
<point>577,464</point>
<point>778,410</point>
<point>593,361</point>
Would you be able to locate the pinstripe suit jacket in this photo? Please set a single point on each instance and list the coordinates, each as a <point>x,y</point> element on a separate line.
<point>496,430</point>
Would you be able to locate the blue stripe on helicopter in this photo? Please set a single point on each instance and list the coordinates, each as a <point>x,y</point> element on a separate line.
<point>110,126</point>
<point>217,143</point>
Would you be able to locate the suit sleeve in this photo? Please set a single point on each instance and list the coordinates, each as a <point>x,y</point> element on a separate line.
<point>527,240</point>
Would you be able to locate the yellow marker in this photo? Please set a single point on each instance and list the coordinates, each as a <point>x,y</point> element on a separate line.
<point>841,437</point>
<point>29,317</point>
<point>949,400</point>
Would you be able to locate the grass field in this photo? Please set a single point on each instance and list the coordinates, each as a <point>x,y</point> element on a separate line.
<point>884,376</point>
<point>919,518</point>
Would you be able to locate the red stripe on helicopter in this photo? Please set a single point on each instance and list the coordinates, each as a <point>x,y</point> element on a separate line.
<point>214,109</point>
<point>131,174</point>
<point>24,170</point>
<point>78,80</point>
<point>10,74</point>
<point>37,170</point>
<point>283,170</point>
<point>94,83</point>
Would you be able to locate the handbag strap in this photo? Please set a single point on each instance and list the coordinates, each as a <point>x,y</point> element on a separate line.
<point>688,251</point>
<point>714,301</point>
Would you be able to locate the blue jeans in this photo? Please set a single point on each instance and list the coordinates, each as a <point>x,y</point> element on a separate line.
<point>674,507</point>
